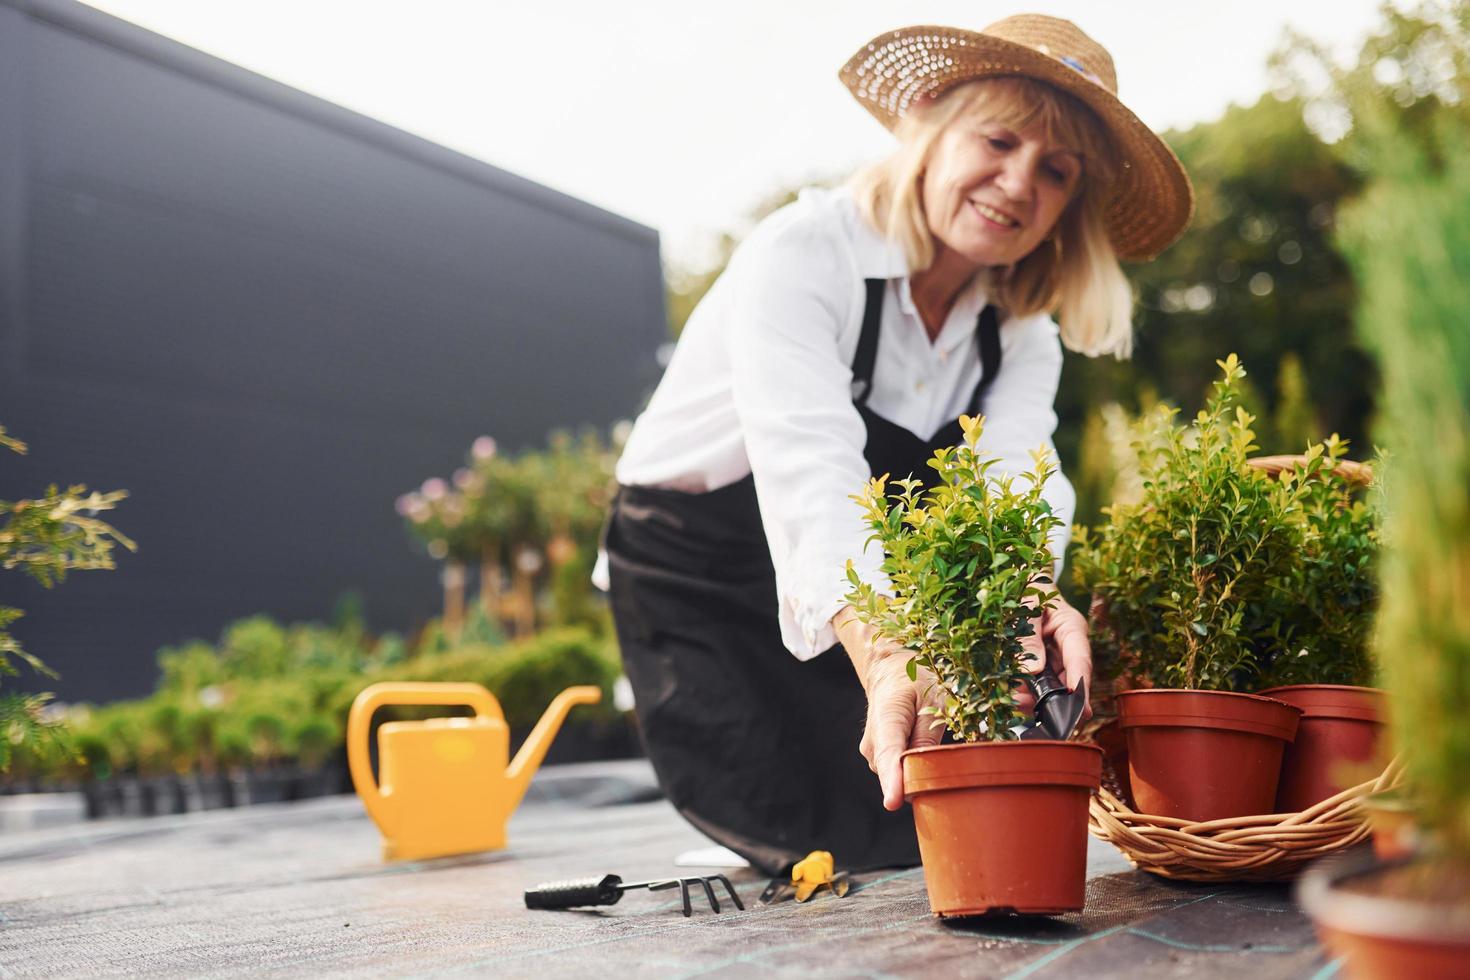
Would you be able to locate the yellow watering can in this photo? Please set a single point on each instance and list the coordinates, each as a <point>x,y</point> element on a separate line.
<point>444,786</point>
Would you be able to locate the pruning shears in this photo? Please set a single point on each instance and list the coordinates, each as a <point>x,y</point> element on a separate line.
<point>808,876</point>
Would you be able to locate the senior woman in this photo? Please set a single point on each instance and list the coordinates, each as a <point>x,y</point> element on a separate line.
<point>846,336</point>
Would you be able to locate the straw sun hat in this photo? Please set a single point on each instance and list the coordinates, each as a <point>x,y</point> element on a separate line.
<point>1152,200</point>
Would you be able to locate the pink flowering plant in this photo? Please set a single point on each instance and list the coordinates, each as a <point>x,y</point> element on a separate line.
<point>436,515</point>
<point>962,559</point>
<point>527,519</point>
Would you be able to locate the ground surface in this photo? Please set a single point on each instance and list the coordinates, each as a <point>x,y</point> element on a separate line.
<point>298,889</point>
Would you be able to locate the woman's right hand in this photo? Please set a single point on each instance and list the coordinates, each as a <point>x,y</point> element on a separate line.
<point>894,722</point>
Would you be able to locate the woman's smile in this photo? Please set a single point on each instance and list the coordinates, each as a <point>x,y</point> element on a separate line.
<point>995,217</point>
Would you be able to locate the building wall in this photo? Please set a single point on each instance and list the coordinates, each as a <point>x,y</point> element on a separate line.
<point>265,317</point>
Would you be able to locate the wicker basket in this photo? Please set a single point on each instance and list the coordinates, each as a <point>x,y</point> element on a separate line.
<point>1267,847</point>
<point>1350,470</point>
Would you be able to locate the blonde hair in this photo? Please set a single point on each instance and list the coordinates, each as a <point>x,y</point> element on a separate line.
<point>1076,276</point>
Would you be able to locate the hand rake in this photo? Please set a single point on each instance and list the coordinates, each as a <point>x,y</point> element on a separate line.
<point>608,889</point>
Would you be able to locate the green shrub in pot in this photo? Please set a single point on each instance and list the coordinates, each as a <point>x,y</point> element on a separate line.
<point>94,758</point>
<point>232,744</point>
<point>1314,634</point>
<point>268,731</point>
<point>1183,570</point>
<point>314,737</point>
<point>962,560</point>
<point>1183,574</point>
<point>1316,626</point>
<point>1223,576</point>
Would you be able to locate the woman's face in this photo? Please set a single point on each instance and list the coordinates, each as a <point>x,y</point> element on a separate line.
<point>992,195</point>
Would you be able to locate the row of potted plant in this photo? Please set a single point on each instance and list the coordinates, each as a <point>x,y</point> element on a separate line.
<point>1228,579</point>
<point>125,795</point>
<point>261,716</point>
<point>1223,576</point>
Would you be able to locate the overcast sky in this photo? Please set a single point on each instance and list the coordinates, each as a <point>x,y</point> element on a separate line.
<point>682,114</point>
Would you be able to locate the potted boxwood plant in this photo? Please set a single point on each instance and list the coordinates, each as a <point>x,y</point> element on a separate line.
<point>233,747</point>
<point>1316,627</point>
<point>1409,242</point>
<point>1180,574</point>
<point>315,736</point>
<point>962,559</point>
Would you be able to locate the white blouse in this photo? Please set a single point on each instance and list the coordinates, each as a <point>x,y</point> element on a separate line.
<point>761,382</point>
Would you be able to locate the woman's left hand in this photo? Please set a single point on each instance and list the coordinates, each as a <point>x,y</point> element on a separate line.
<point>1060,643</point>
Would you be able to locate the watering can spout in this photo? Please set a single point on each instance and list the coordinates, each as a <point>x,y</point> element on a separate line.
<point>528,759</point>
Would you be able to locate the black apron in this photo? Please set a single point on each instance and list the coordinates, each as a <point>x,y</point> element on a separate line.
<point>757,749</point>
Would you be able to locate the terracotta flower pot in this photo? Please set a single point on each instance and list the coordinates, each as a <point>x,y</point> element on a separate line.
<point>1394,826</point>
<point>1204,755</point>
<point>1003,825</point>
<point>1340,726</point>
<point>1381,927</point>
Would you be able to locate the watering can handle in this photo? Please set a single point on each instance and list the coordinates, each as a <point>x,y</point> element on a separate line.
<point>360,720</point>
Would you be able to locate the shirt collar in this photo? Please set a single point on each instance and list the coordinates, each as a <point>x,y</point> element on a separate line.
<point>963,316</point>
<point>877,256</point>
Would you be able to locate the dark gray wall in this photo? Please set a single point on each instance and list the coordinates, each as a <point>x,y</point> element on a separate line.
<point>265,317</point>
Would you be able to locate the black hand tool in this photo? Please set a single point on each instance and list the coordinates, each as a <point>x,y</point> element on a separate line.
<point>1057,709</point>
<point>608,889</point>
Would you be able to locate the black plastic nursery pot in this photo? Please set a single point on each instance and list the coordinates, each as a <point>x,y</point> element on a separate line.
<point>164,796</point>
<point>131,796</point>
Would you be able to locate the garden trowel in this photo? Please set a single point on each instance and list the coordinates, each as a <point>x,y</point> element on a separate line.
<point>1057,709</point>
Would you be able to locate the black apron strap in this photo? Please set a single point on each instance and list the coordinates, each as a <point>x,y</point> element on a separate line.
<point>867,348</point>
<point>988,333</point>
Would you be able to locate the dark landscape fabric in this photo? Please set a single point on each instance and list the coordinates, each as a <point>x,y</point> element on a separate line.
<point>299,889</point>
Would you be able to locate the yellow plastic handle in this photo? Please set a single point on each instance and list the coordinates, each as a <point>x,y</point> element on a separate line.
<point>373,697</point>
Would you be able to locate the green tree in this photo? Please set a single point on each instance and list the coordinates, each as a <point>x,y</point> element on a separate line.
<point>1412,74</point>
<point>1256,273</point>
<point>1294,423</point>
